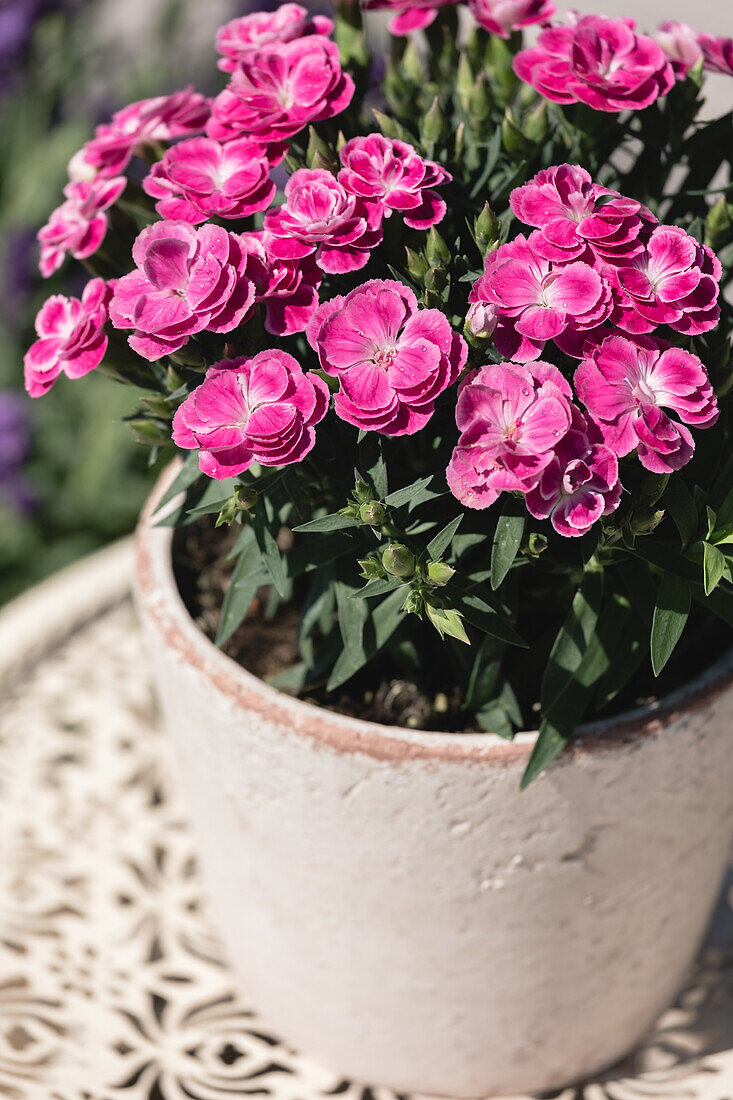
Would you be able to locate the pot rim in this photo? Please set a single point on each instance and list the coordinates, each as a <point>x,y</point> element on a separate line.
<point>159,598</point>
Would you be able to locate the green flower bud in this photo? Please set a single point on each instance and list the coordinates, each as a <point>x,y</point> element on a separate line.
<point>512,137</point>
<point>465,81</point>
<point>432,127</point>
<point>718,223</point>
<point>398,561</point>
<point>413,603</point>
<point>439,573</point>
<point>412,64</point>
<point>479,104</point>
<point>535,123</point>
<point>437,252</point>
<point>372,512</point>
<point>319,153</point>
<point>362,492</point>
<point>371,568</point>
<point>351,511</point>
<point>417,265</point>
<point>152,433</point>
<point>486,230</point>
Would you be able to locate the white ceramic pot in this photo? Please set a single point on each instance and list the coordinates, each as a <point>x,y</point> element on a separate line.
<point>396,908</point>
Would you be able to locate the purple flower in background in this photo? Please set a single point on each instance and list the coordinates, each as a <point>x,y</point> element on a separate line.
<point>15,442</point>
<point>17,19</point>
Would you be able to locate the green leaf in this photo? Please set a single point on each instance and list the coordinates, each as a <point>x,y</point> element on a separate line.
<point>312,553</point>
<point>375,464</point>
<point>713,566</point>
<point>333,522</point>
<point>670,615</point>
<point>352,615</point>
<point>477,612</point>
<point>447,620</point>
<point>384,621</point>
<point>574,636</point>
<point>198,497</point>
<point>377,587</point>
<point>679,502</point>
<point>186,476</point>
<point>507,540</point>
<point>272,559</point>
<point>409,493</point>
<point>438,545</point>
<point>246,578</point>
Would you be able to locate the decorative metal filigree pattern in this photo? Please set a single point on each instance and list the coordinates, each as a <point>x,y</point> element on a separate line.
<point>111,982</point>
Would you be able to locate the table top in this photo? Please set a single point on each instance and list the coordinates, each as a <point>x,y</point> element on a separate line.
<point>112,984</point>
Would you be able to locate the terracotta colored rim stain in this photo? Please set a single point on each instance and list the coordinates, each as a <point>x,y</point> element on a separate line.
<point>158,594</point>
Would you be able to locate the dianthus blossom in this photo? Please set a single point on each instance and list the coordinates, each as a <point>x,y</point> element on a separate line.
<point>504,16</point>
<point>392,360</point>
<point>71,338</point>
<point>163,118</point>
<point>199,179</point>
<point>392,174</point>
<point>274,94</point>
<point>511,417</point>
<point>79,225</point>
<point>580,483</point>
<point>319,217</point>
<point>262,30</point>
<point>674,281</point>
<point>626,386</point>
<point>288,289</point>
<point>410,15</point>
<point>577,218</point>
<point>187,280</point>
<point>598,61</point>
<point>262,410</point>
<point>535,300</point>
<point>717,53</point>
<point>679,42</point>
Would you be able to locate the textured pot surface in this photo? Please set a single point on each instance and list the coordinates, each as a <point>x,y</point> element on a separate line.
<point>397,908</point>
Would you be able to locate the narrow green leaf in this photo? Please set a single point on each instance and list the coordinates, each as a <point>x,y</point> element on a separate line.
<point>312,553</point>
<point>573,637</point>
<point>507,540</point>
<point>680,504</point>
<point>186,476</point>
<point>198,497</point>
<point>352,615</point>
<point>375,465</point>
<point>408,493</point>
<point>713,566</point>
<point>246,578</point>
<point>385,619</point>
<point>438,545</point>
<point>477,612</point>
<point>271,557</point>
<point>333,522</point>
<point>670,615</point>
<point>377,587</point>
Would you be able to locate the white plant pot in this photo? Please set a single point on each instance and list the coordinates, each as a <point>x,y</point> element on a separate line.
<point>399,910</point>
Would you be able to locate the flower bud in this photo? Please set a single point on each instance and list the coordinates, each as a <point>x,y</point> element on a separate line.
<point>535,123</point>
<point>437,252</point>
<point>432,127</point>
<point>439,573</point>
<point>413,603</point>
<point>319,153</point>
<point>371,568</point>
<point>486,230</point>
<point>718,223</point>
<point>398,561</point>
<point>417,265</point>
<point>512,137</point>
<point>371,512</point>
<point>465,81</point>
<point>412,64</point>
<point>481,320</point>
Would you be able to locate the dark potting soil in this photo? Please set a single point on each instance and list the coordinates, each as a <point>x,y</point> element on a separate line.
<point>266,645</point>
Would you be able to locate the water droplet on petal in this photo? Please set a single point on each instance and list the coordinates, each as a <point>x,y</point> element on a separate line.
<point>525,391</point>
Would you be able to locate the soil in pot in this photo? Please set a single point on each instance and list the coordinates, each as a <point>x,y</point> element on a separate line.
<point>266,645</point>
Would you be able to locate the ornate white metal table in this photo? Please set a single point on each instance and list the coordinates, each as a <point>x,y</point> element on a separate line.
<point>112,986</point>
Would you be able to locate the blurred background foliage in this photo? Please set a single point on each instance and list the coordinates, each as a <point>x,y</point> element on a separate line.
<point>71,476</point>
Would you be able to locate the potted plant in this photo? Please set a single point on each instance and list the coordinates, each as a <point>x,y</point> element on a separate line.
<point>439,597</point>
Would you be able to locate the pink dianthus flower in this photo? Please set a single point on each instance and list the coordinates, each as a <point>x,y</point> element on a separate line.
<point>262,410</point>
<point>674,281</point>
<point>392,359</point>
<point>410,15</point>
<point>186,281</point>
<point>580,483</point>
<point>319,217</point>
<point>536,300</point>
<point>199,179</point>
<point>627,384</point>
<point>79,225</point>
<point>504,16</point>
<point>598,61</point>
<point>263,30</point>
<point>392,174</point>
<point>511,418</point>
<point>579,219</point>
<point>163,118</point>
<point>71,338</point>
<point>717,53</point>
<point>679,42</point>
<point>287,288</point>
<point>274,94</point>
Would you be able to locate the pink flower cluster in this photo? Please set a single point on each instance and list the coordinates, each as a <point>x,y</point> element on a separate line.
<point>186,280</point>
<point>594,257</point>
<point>240,38</point>
<point>393,175</point>
<point>199,179</point>
<point>601,62</point>
<point>685,46</point>
<point>79,225</point>
<point>262,410</point>
<point>288,289</point>
<point>276,92</point>
<point>504,16</point>
<point>392,360</point>
<point>181,114</point>
<point>71,338</point>
<point>410,15</point>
